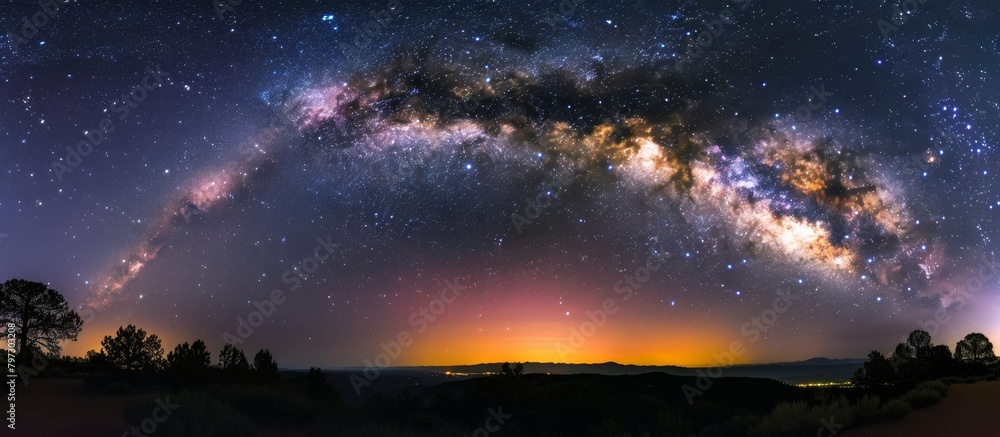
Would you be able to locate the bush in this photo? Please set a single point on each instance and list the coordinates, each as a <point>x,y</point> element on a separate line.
<point>799,419</point>
<point>922,397</point>
<point>608,428</point>
<point>867,409</point>
<point>896,409</point>
<point>950,380</point>
<point>673,424</point>
<point>937,386</point>
<point>735,426</point>
<point>269,405</point>
<point>197,413</point>
<point>786,419</point>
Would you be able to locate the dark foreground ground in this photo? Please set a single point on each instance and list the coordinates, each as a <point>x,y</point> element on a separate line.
<point>543,405</point>
<point>968,410</point>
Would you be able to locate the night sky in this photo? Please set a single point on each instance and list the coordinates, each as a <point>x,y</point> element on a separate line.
<point>536,156</point>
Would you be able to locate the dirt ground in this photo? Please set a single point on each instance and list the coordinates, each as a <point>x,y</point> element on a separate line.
<point>968,410</point>
<point>65,407</point>
<point>62,407</point>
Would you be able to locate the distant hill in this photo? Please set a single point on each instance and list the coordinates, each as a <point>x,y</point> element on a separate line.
<point>577,404</point>
<point>820,361</point>
<point>812,370</point>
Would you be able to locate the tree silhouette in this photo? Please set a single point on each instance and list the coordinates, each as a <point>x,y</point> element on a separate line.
<point>941,361</point>
<point>189,358</point>
<point>233,360</point>
<point>41,316</point>
<point>919,342</point>
<point>315,384</point>
<point>507,370</point>
<point>264,365</point>
<point>98,360</point>
<point>876,372</point>
<point>912,359</point>
<point>975,352</point>
<point>131,349</point>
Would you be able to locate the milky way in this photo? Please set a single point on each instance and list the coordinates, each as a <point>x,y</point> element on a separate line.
<point>801,198</point>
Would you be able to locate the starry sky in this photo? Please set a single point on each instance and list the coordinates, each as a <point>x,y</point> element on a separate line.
<point>171,164</point>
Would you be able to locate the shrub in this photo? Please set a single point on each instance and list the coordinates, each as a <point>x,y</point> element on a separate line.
<point>922,397</point>
<point>951,380</point>
<point>786,419</point>
<point>673,424</point>
<point>198,413</point>
<point>896,409</point>
<point>738,425</point>
<point>269,405</point>
<point>608,428</point>
<point>376,430</point>
<point>867,409</point>
<point>937,386</point>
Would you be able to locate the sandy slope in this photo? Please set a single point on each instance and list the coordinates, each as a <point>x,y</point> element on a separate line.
<point>969,410</point>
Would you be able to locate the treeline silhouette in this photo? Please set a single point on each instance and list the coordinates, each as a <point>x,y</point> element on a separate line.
<point>917,360</point>
<point>237,396</point>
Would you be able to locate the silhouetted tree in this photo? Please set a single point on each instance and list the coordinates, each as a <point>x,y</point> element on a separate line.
<point>98,360</point>
<point>41,316</point>
<point>876,372</point>
<point>507,370</point>
<point>912,359</point>
<point>233,360</point>
<point>975,353</point>
<point>919,342</point>
<point>318,388</point>
<point>131,349</point>
<point>189,358</point>
<point>264,365</point>
<point>941,361</point>
<point>315,383</point>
